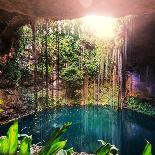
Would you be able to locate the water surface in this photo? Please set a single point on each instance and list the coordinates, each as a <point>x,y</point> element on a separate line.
<point>126,129</point>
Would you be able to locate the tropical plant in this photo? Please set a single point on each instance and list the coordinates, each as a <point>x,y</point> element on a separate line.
<point>25,145</point>
<point>54,144</point>
<point>106,149</point>
<point>140,105</point>
<point>148,149</point>
<point>9,143</point>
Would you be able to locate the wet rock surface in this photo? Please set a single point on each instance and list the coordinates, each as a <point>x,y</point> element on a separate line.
<point>35,149</point>
<point>12,105</point>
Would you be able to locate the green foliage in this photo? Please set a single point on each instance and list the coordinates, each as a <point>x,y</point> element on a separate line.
<point>106,149</point>
<point>69,52</point>
<point>148,149</point>
<point>140,105</point>
<point>76,59</point>
<point>11,71</point>
<point>25,33</point>
<point>57,146</point>
<point>9,143</point>
<point>12,135</point>
<point>54,145</point>
<point>25,145</point>
<point>1,110</point>
<point>72,75</point>
<point>70,151</point>
<point>4,143</point>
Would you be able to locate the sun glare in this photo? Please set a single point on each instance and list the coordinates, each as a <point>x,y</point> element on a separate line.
<point>100,25</point>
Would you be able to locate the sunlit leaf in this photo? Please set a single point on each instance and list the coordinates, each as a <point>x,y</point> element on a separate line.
<point>25,145</point>
<point>55,138</point>
<point>1,110</point>
<point>1,101</point>
<point>56,147</point>
<point>104,150</point>
<point>4,145</point>
<point>148,149</point>
<point>70,151</point>
<point>102,142</point>
<point>12,135</point>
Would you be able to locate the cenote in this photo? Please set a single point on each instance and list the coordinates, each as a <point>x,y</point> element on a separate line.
<point>126,129</point>
<point>65,61</point>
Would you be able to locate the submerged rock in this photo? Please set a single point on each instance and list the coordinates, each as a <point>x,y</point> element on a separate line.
<point>35,149</point>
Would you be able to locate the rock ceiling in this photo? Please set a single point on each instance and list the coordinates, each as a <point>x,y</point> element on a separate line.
<point>15,13</point>
<point>66,9</point>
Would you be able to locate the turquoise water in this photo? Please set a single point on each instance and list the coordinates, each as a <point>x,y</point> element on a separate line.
<point>126,129</point>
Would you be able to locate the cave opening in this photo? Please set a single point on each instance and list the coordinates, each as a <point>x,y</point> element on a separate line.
<point>95,71</point>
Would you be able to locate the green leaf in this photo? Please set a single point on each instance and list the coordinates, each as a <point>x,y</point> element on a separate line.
<point>1,110</point>
<point>12,136</point>
<point>102,142</point>
<point>104,150</point>
<point>54,138</point>
<point>70,151</point>
<point>148,149</point>
<point>25,145</point>
<point>1,101</point>
<point>56,147</point>
<point>4,145</point>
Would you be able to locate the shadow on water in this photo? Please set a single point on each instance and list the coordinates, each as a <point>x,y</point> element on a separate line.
<point>126,129</point>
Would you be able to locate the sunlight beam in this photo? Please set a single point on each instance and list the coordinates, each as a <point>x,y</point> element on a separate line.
<point>101,26</point>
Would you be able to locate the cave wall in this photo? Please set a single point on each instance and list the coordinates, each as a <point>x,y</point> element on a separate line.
<point>9,24</point>
<point>141,41</point>
<point>141,56</point>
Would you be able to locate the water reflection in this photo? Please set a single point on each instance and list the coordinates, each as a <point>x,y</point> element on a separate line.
<point>126,129</point>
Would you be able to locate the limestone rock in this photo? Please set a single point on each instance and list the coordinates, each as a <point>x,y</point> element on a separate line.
<point>66,9</point>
